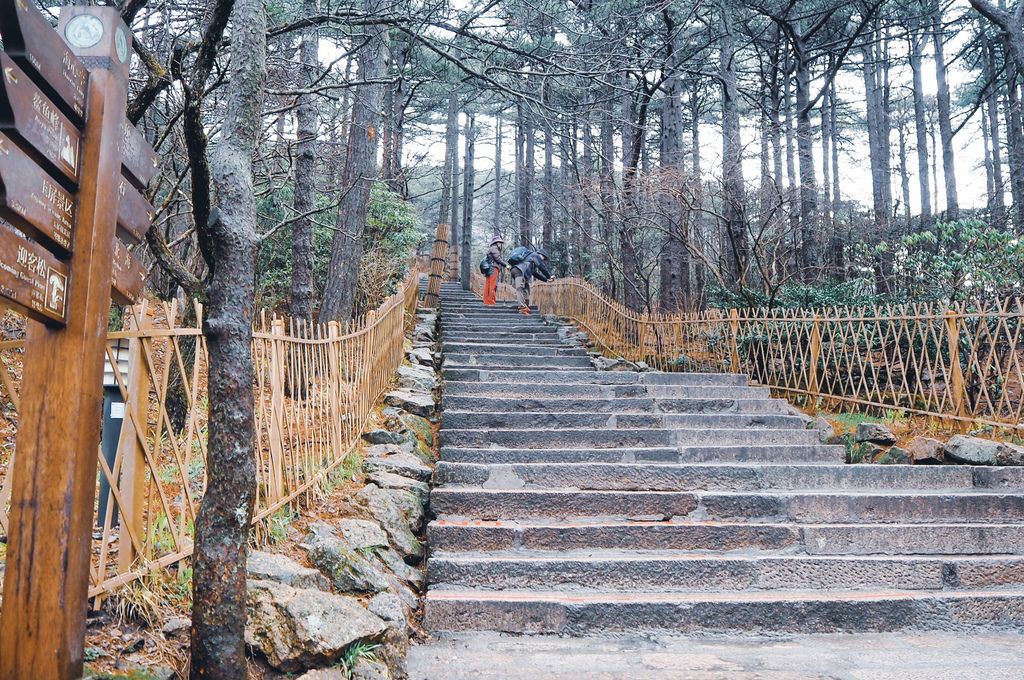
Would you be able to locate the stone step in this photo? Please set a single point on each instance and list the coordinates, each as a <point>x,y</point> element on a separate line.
<point>611,438</point>
<point>483,331</point>
<point>518,403</point>
<point>573,419</point>
<point>812,611</point>
<point>735,477</point>
<point>791,454</point>
<point>580,390</point>
<point>498,337</point>
<point>524,348</point>
<point>457,359</point>
<point>449,535</point>
<point>679,571</point>
<point>812,507</point>
<point>519,377</point>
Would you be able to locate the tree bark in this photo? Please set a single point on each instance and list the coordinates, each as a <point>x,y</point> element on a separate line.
<point>497,173</point>
<point>1015,146</point>
<point>222,525</point>
<point>304,193</point>
<point>917,40</point>
<point>549,190</point>
<point>998,208</point>
<point>732,160</point>
<point>357,178</point>
<point>945,124</point>
<point>468,191</point>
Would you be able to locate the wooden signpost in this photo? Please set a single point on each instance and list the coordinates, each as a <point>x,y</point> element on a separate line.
<point>72,176</point>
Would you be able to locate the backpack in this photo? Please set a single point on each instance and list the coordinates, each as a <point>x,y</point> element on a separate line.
<point>518,255</point>
<point>485,266</point>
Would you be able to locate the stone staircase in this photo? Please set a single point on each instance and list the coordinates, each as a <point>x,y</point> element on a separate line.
<point>573,501</point>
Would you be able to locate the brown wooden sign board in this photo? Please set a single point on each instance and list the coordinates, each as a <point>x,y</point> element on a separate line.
<point>33,200</point>
<point>28,114</point>
<point>134,212</point>
<point>32,42</point>
<point>138,159</point>
<point>32,280</point>
<point>128,277</point>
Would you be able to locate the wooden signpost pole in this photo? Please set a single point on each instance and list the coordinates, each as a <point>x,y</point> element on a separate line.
<point>42,627</point>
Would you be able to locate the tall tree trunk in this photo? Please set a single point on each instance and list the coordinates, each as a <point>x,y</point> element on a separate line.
<point>809,226</point>
<point>587,241</point>
<point>357,179</point>
<point>1015,139</point>
<point>838,242</point>
<point>549,190</point>
<point>222,526</point>
<point>468,192</point>
<point>529,174</point>
<point>675,265</point>
<point>497,173</point>
<point>827,222</point>
<point>998,207</point>
<point>304,194</point>
<point>607,189</point>
<point>732,160</point>
<point>945,124</point>
<point>904,177</point>
<point>452,148</point>
<point>878,149</point>
<point>791,180</point>
<point>917,42</point>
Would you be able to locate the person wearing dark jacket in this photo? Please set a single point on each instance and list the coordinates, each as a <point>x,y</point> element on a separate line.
<point>497,262</point>
<point>533,267</point>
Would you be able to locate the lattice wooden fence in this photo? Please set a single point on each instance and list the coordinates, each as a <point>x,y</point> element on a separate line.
<point>315,387</point>
<point>962,363</point>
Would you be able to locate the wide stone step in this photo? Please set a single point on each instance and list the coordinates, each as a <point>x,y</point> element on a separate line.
<point>458,359</point>
<point>524,348</point>
<point>596,404</point>
<point>484,330</point>
<point>795,454</point>
<point>690,477</point>
<point>451,535</point>
<point>811,507</point>
<point>678,571</point>
<point>653,381</point>
<point>708,613</point>
<point>578,390</point>
<point>557,439</point>
<point>551,419</point>
<point>487,338</point>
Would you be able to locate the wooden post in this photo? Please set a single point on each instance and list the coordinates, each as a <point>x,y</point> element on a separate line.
<point>133,461</point>
<point>42,629</point>
<point>812,375</point>
<point>957,388</point>
<point>275,484</point>
<point>438,260</point>
<point>734,332</point>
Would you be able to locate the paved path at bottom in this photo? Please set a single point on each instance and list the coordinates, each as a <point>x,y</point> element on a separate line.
<point>924,656</point>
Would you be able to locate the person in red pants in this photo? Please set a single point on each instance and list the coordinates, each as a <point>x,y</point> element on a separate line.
<point>497,262</point>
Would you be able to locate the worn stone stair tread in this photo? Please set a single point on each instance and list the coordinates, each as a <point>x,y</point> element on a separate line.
<point>806,454</point>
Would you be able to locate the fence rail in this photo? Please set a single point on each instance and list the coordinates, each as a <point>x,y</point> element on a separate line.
<point>314,388</point>
<point>963,363</point>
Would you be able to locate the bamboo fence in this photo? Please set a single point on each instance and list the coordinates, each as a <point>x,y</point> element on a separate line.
<point>314,388</point>
<point>961,363</point>
<point>438,262</point>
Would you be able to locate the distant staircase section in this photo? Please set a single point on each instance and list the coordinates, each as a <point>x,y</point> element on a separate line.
<point>575,501</point>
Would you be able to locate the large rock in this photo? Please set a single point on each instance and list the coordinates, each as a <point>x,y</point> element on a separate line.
<point>603,363</point>
<point>389,608</point>
<point>926,451</point>
<point>895,456</point>
<point>369,669</point>
<point>384,437</point>
<point>298,628</point>
<point>348,570</point>
<point>417,377</point>
<point>325,674</point>
<point>400,463</point>
<point>388,480</point>
<point>825,430</point>
<point>399,514</point>
<point>264,566</point>
<point>415,402</point>
<point>876,433</point>
<point>977,451</point>
<point>419,426</point>
<point>361,534</point>
<point>422,356</point>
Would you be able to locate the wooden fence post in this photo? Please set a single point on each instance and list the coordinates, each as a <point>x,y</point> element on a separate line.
<point>275,485</point>
<point>133,461</point>
<point>957,388</point>
<point>812,374</point>
<point>734,333</point>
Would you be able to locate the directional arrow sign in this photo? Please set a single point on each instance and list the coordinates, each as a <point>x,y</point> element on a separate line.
<point>134,213</point>
<point>128,276</point>
<point>137,156</point>
<point>32,280</point>
<point>33,200</point>
<point>27,113</point>
<point>29,38</point>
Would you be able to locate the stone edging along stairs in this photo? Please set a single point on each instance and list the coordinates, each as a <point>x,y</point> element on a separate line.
<point>574,501</point>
